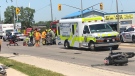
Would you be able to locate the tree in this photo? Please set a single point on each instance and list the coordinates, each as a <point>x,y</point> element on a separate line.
<point>9,14</point>
<point>26,16</point>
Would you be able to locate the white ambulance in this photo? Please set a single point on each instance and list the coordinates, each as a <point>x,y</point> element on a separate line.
<point>87,32</point>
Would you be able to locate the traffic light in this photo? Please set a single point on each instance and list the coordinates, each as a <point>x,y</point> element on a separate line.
<point>17,10</point>
<point>59,7</point>
<point>101,6</point>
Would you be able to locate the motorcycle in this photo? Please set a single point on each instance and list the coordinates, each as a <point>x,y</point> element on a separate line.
<point>118,58</point>
<point>48,40</point>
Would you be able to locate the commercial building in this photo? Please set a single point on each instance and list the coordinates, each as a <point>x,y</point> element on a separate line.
<point>126,19</point>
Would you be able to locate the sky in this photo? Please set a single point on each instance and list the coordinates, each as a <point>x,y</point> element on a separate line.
<point>43,11</point>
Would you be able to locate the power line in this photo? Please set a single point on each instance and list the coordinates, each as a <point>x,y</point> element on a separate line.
<point>42,8</point>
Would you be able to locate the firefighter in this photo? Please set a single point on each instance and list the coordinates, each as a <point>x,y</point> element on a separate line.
<point>37,38</point>
<point>43,37</point>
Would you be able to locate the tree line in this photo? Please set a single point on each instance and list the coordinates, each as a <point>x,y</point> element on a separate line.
<point>26,17</point>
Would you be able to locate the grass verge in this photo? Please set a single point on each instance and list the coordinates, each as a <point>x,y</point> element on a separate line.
<point>27,69</point>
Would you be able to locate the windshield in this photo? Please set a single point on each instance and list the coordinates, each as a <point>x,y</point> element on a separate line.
<point>9,31</point>
<point>53,26</point>
<point>100,28</point>
<point>17,33</point>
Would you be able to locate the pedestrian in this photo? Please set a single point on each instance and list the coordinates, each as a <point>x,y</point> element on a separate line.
<point>43,37</point>
<point>37,38</point>
<point>31,36</point>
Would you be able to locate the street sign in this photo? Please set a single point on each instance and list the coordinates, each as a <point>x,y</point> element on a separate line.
<point>18,25</point>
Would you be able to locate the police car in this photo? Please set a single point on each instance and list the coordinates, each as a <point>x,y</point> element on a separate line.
<point>128,35</point>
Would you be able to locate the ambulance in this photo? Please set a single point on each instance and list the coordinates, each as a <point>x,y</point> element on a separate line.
<point>90,33</point>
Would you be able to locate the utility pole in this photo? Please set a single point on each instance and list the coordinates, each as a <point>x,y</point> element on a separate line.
<point>16,14</point>
<point>14,18</point>
<point>118,25</point>
<point>81,9</point>
<point>0,15</point>
<point>51,10</point>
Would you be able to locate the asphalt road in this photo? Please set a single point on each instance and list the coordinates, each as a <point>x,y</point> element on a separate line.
<point>76,56</point>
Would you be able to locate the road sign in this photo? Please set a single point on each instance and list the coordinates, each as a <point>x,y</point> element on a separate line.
<point>18,25</point>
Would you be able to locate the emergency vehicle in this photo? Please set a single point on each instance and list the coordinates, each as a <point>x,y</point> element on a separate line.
<point>53,26</point>
<point>128,35</point>
<point>87,32</point>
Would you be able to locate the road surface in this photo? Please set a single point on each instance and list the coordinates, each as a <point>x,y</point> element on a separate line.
<point>76,56</point>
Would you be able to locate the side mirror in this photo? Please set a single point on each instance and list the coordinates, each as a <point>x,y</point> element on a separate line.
<point>84,32</point>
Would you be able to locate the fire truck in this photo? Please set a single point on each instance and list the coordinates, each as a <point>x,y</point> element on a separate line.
<point>53,26</point>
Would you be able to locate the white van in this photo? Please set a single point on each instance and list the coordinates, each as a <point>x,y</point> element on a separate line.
<point>87,32</point>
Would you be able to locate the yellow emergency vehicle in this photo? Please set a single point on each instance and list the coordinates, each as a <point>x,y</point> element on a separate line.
<point>87,32</point>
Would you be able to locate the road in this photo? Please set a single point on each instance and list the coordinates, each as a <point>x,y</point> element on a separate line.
<point>76,56</point>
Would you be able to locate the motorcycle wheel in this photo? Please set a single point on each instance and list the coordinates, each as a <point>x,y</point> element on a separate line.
<point>130,54</point>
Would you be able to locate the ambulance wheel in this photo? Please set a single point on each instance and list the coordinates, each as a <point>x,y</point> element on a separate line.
<point>115,47</point>
<point>66,45</point>
<point>92,46</point>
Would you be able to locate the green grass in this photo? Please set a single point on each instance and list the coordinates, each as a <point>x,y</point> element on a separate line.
<point>27,69</point>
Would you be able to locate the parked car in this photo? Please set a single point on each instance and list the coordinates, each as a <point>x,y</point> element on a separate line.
<point>128,35</point>
<point>6,37</point>
<point>20,36</point>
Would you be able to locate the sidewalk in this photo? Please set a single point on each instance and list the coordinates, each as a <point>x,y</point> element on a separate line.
<point>12,72</point>
<point>67,69</point>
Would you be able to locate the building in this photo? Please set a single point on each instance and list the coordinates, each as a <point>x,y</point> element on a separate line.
<point>126,19</point>
<point>86,13</point>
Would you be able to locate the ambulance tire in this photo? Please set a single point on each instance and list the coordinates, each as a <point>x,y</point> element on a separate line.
<point>66,45</point>
<point>92,46</point>
<point>115,47</point>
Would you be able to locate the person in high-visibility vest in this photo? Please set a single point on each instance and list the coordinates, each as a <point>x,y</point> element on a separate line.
<point>31,36</point>
<point>37,38</point>
<point>43,37</point>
